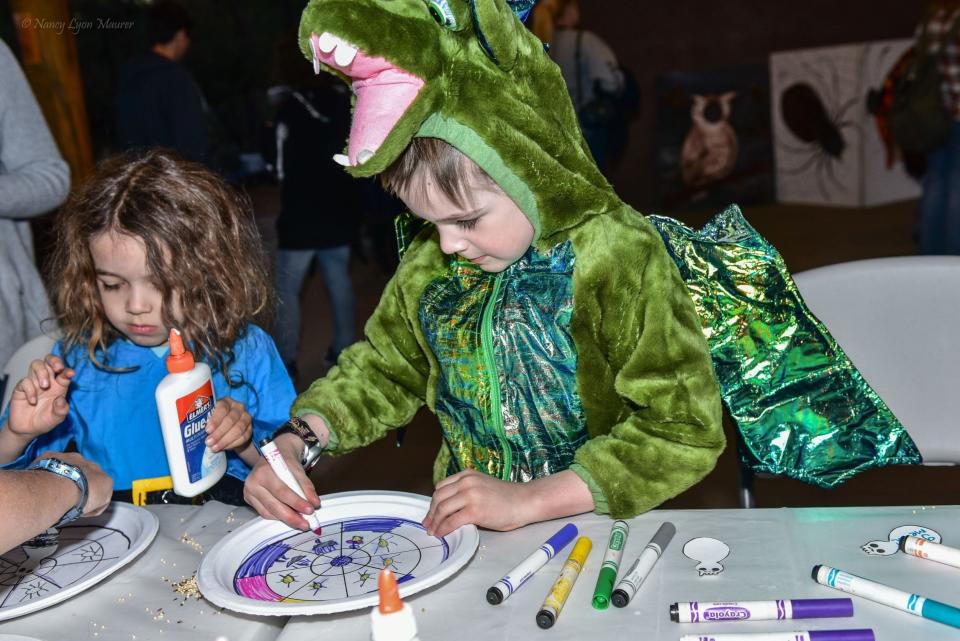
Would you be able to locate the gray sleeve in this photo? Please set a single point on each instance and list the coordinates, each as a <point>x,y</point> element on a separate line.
<point>33,176</point>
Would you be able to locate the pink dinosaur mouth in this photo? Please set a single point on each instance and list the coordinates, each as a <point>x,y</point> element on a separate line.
<point>384,92</point>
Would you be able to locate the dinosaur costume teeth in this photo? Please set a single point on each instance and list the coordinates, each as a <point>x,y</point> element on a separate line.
<point>383,93</point>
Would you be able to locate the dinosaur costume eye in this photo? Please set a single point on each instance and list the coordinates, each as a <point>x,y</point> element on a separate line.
<point>442,13</point>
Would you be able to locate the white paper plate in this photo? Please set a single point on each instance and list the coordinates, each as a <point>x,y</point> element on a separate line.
<point>265,567</point>
<point>89,551</point>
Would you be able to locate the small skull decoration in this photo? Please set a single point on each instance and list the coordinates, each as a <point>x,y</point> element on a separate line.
<point>708,552</point>
<point>882,548</point>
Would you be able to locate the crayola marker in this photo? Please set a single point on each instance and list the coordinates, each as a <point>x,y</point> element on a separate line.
<point>638,572</point>
<point>794,635</point>
<point>885,595</point>
<point>611,563</point>
<point>519,575</point>
<point>552,605</point>
<point>777,610</point>
<point>924,549</point>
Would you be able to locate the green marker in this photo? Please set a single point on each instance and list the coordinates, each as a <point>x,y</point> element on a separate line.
<point>611,563</point>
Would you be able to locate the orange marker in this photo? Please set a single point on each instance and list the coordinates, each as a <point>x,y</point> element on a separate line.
<point>392,620</point>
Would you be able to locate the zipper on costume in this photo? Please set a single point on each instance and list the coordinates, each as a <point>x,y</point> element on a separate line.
<point>486,336</point>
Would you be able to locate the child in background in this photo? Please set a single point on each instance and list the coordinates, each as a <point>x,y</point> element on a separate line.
<point>538,315</point>
<point>147,244</point>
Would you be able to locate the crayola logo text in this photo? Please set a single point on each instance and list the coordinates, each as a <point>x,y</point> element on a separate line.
<point>725,614</point>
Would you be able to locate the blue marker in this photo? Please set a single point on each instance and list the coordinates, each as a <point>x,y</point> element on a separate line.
<point>529,566</point>
<point>903,601</point>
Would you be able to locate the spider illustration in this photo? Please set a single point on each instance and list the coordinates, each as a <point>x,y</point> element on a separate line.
<point>815,116</point>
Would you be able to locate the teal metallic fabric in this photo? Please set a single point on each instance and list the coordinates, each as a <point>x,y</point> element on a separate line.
<point>507,398</point>
<point>803,409</point>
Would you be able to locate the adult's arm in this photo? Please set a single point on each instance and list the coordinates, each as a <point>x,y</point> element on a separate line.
<point>33,500</point>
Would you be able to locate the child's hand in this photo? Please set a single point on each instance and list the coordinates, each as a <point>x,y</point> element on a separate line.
<point>230,426</point>
<point>271,497</point>
<point>39,401</point>
<point>473,497</point>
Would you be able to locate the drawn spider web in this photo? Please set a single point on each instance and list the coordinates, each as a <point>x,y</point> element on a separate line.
<point>28,574</point>
<point>340,562</point>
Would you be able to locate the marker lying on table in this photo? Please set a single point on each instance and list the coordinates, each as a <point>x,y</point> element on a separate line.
<point>924,549</point>
<point>905,601</point>
<point>611,563</point>
<point>795,635</point>
<point>529,566</point>
<point>638,572</point>
<point>552,605</point>
<point>696,611</point>
<point>270,452</point>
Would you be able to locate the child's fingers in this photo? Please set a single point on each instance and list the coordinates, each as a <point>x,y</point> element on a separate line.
<point>40,373</point>
<point>456,520</point>
<point>453,478</point>
<point>64,376</point>
<point>445,512</point>
<point>28,389</point>
<point>55,363</point>
<point>60,408</point>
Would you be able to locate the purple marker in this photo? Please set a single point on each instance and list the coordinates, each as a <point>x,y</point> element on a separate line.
<point>696,612</point>
<point>799,635</point>
<point>529,566</point>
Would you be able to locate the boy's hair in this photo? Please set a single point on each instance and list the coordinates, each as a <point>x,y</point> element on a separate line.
<point>434,159</point>
<point>201,242</point>
<point>164,20</point>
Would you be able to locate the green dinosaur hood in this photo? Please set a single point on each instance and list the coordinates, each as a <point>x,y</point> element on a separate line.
<point>470,73</point>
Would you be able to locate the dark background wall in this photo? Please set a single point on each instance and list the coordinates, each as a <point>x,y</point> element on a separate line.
<point>692,35</point>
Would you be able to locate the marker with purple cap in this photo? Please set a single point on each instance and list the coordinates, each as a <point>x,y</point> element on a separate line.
<point>797,635</point>
<point>777,610</point>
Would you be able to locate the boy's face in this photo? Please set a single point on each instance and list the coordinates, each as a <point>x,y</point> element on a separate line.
<point>491,231</point>
<point>129,295</point>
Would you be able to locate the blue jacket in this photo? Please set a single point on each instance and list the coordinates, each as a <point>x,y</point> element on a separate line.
<point>113,416</point>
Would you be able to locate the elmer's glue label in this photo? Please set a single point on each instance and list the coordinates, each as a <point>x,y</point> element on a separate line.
<point>185,402</point>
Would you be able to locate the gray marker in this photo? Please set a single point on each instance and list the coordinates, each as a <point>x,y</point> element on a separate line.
<point>631,582</point>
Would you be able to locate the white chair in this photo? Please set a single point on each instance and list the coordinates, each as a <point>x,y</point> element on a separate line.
<point>898,320</point>
<point>16,367</point>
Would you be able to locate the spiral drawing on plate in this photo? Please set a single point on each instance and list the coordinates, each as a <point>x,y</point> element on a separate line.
<point>47,565</point>
<point>338,560</point>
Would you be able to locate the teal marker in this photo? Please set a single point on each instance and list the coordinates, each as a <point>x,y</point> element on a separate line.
<point>611,563</point>
<point>905,601</point>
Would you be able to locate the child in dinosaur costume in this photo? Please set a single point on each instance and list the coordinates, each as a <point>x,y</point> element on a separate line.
<point>540,317</point>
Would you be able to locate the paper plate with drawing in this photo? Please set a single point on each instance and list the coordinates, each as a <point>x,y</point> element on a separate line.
<point>829,149</point>
<point>713,137</point>
<point>267,568</point>
<point>55,566</point>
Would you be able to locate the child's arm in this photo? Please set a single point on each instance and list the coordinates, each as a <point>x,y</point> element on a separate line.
<point>474,497</point>
<point>652,357</point>
<point>38,405</point>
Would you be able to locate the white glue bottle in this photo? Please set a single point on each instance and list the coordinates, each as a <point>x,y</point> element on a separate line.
<point>392,620</point>
<point>185,401</point>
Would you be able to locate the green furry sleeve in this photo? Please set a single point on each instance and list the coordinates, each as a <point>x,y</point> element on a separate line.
<point>658,430</point>
<point>379,383</point>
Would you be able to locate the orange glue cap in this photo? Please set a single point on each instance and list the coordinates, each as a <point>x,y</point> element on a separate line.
<point>389,593</point>
<point>179,360</point>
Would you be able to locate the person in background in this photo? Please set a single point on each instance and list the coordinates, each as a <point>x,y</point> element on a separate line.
<point>319,210</point>
<point>158,103</point>
<point>940,203</point>
<point>33,180</point>
<point>56,489</point>
<point>588,65</point>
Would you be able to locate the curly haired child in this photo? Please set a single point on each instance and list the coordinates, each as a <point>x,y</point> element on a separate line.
<point>149,243</point>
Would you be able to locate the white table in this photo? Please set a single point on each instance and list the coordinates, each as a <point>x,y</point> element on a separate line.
<point>126,606</point>
<point>772,552</point>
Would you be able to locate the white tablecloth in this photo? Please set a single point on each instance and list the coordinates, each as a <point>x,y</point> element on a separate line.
<point>127,605</point>
<point>772,552</point>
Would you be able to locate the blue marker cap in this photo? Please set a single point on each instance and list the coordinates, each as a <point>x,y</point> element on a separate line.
<point>559,540</point>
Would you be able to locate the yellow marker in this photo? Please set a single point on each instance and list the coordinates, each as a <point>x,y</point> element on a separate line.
<point>552,605</point>
<point>142,487</point>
